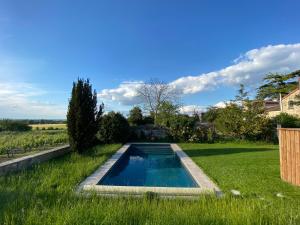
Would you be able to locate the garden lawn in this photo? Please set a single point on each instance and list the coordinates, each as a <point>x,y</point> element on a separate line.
<point>45,194</point>
<point>252,169</point>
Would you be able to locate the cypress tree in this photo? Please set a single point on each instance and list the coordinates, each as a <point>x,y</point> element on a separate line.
<point>83,117</point>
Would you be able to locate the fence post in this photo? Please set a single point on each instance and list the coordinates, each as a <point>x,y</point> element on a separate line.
<point>278,127</point>
<point>289,144</point>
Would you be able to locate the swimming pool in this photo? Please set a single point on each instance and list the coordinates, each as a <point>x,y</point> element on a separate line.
<point>139,168</point>
<point>149,165</point>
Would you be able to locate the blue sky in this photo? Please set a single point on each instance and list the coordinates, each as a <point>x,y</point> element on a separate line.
<point>202,48</point>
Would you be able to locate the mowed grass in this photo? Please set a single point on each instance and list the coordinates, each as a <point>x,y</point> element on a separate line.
<point>45,194</point>
<point>252,169</point>
<point>49,125</point>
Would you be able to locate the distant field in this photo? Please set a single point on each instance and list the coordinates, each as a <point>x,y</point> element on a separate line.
<point>29,141</point>
<point>48,126</point>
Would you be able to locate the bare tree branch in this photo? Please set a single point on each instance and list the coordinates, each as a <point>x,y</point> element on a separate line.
<point>154,93</point>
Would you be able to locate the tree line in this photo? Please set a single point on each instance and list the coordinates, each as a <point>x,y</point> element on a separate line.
<point>241,118</point>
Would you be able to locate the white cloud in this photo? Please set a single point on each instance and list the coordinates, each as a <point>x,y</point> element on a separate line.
<point>248,68</point>
<point>16,102</point>
<point>191,109</point>
<point>126,93</point>
<point>221,104</point>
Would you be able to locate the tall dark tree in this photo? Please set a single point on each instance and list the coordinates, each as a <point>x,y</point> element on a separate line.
<point>83,116</point>
<point>135,116</point>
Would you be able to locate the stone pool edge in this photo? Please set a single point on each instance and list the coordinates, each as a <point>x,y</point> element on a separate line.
<point>206,185</point>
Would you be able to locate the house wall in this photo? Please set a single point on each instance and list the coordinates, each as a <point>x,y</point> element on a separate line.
<point>272,114</point>
<point>285,104</point>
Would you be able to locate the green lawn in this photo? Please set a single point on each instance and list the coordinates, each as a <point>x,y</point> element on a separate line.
<point>253,169</point>
<point>45,193</point>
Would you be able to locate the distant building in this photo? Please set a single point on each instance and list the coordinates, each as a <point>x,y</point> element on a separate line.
<point>287,104</point>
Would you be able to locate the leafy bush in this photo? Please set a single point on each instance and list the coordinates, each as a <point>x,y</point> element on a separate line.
<point>14,125</point>
<point>245,121</point>
<point>135,116</point>
<point>230,121</point>
<point>181,127</point>
<point>287,121</point>
<point>114,128</point>
<point>148,120</point>
<point>203,134</point>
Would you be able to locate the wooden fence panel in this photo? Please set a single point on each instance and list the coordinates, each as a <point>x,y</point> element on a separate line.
<point>289,142</point>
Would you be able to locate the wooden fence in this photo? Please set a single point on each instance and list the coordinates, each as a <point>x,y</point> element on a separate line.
<point>289,142</point>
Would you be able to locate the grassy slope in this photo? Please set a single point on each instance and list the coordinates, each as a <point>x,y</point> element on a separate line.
<point>44,195</point>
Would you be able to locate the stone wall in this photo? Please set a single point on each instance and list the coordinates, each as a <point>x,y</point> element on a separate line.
<point>27,161</point>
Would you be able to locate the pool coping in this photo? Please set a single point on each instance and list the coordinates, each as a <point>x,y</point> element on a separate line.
<point>206,185</point>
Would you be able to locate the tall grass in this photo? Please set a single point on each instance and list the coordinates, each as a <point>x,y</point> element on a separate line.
<point>45,195</point>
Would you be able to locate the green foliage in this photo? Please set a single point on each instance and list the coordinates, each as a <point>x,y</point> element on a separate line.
<point>211,114</point>
<point>32,140</point>
<point>287,121</point>
<point>275,84</point>
<point>135,116</point>
<point>242,94</point>
<point>203,134</point>
<point>230,121</point>
<point>14,125</point>
<point>148,120</point>
<point>166,113</point>
<point>181,127</point>
<point>242,122</point>
<point>83,117</point>
<point>114,128</point>
<point>241,119</point>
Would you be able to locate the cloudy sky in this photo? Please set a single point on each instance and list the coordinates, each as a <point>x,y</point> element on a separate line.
<point>204,49</point>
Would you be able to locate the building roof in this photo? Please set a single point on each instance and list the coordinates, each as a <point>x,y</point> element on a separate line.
<point>273,108</point>
<point>292,92</point>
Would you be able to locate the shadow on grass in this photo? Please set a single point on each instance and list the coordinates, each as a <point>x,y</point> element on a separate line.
<point>223,151</point>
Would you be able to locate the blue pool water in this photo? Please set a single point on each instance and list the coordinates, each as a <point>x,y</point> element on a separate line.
<point>149,165</point>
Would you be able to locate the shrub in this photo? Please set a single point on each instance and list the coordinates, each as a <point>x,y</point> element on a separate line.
<point>135,116</point>
<point>148,120</point>
<point>82,117</point>
<point>114,128</point>
<point>14,125</point>
<point>287,121</point>
<point>203,134</point>
<point>181,128</point>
